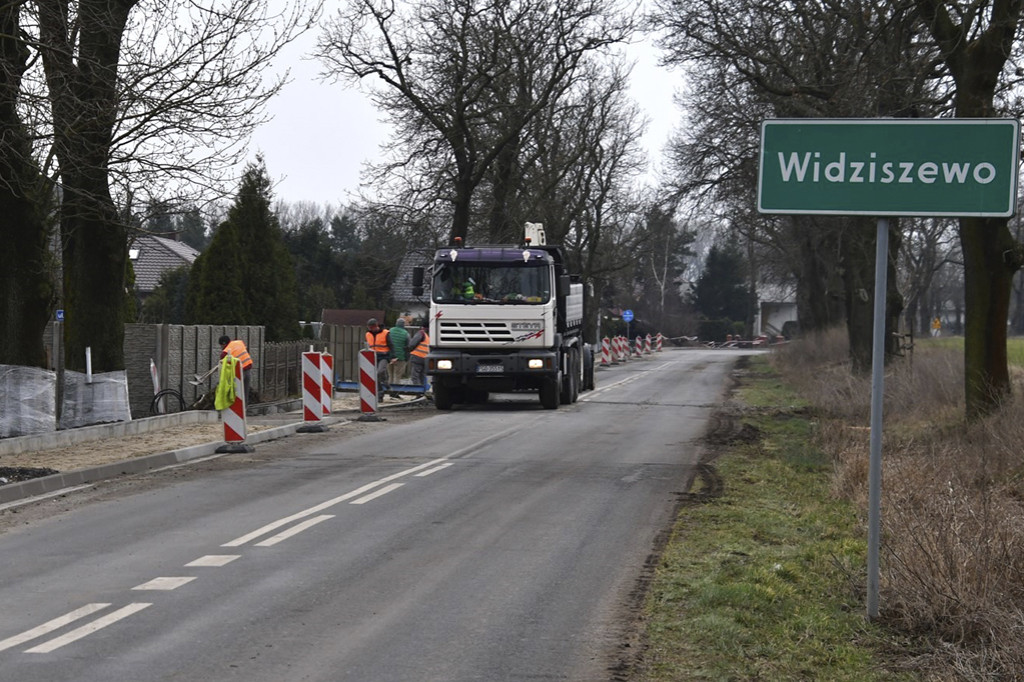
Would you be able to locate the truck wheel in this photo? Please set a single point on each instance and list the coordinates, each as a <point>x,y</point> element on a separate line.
<point>588,368</point>
<point>570,377</point>
<point>443,398</point>
<point>549,393</point>
<point>577,374</point>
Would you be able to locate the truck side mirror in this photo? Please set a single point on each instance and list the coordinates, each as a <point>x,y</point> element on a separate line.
<point>417,281</point>
<point>563,285</point>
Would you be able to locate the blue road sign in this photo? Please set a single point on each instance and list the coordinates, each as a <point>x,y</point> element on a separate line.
<point>627,315</point>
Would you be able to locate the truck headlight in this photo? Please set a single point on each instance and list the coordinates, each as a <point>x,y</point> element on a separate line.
<point>444,364</point>
<point>535,363</point>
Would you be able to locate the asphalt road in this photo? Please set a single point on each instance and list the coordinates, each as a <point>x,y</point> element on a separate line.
<point>494,542</point>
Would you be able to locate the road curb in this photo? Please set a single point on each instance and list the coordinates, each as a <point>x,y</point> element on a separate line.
<point>48,485</point>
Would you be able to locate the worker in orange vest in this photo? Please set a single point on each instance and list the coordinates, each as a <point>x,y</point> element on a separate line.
<point>237,348</point>
<point>419,345</point>
<point>377,341</point>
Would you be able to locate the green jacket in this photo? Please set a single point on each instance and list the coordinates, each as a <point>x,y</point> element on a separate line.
<point>398,339</point>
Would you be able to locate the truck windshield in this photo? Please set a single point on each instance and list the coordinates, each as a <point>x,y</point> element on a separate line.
<point>508,283</point>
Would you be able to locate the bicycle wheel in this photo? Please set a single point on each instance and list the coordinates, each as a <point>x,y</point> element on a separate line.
<point>167,401</point>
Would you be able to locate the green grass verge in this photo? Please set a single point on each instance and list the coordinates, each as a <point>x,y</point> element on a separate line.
<point>1014,347</point>
<point>765,582</point>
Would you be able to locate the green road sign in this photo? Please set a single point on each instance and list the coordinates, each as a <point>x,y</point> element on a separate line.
<point>889,167</point>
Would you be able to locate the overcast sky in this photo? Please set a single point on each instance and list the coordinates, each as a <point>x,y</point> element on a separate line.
<point>322,133</point>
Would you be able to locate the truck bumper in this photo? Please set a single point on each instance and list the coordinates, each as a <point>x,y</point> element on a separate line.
<point>492,371</point>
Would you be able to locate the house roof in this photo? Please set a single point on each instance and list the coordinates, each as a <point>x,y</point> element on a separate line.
<point>151,256</point>
<point>349,317</point>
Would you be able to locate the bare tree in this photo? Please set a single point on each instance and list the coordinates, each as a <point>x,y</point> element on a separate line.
<point>462,80</point>
<point>754,59</point>
<point>976,41</point>
<point>928,246</point>
<point>142,97</point>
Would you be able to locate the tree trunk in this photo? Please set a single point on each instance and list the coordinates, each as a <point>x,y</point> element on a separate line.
<point>988,276</point>
<point>81,63</point>
<point>95,269</point>
<point>26,284</point>
<point>858,260</point>
<point>819,287</point>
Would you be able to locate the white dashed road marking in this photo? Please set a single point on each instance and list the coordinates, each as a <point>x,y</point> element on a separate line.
<point>165,584</point>
<point>215,560</point>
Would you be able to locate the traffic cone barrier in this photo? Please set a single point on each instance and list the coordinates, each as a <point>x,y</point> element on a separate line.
<point>312,388</point>
<point>368,386</point>
<point>327,383</point>
<point>234,418</point>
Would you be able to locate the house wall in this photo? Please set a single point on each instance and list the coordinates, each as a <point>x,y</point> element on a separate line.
<point>774,315</point>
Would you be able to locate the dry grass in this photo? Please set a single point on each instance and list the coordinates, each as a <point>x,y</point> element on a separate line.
<point>952,502</point>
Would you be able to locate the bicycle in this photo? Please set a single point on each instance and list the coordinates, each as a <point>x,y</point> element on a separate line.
<point>171,401</point>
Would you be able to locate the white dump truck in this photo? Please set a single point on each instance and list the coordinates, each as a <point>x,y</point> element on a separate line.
<point>506,318</point>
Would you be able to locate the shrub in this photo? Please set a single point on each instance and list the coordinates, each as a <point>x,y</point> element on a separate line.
<point>952,513</point>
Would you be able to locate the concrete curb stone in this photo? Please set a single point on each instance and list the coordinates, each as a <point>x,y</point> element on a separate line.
<point>48,485</point>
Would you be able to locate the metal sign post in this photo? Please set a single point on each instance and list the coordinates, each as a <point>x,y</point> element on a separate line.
<point>877,396</point>
<point>887,167</point>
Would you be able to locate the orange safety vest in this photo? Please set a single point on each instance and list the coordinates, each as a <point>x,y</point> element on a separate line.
<point>378,342</point>
<point>238,349</point>
<point>422,347</point>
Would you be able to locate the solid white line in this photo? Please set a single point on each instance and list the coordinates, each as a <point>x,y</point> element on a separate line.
<point>375,495</point>
<point>52,625</point>
<point>294,530</point>
<point>607,387</point>
<point>215,560</point>
<point>165,584</point>
<point>37,498</point>
<point>329,503</point>
<point>441,467</point>
<point>87,629</point>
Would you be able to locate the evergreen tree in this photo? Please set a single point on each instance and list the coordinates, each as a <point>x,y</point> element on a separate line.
<point>192,230</point>
<point>167,302</point>
<point>246,275</point>
<point>720,292</point>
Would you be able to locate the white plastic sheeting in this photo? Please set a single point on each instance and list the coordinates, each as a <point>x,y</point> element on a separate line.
<point>28,401</point>
<point>101,401</point>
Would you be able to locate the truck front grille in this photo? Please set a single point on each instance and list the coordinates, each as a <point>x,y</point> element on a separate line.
<point>475,332</point>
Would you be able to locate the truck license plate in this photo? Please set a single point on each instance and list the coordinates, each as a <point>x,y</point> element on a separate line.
<point>489,369</point>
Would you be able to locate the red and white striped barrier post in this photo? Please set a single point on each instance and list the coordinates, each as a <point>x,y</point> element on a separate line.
<point>605,352</point>
<point>327,382</point>
<point>312,387</point>
<point>657,342</point>
<point>647,344</point>
<point>639,347</point>
<point>621,348</point>
<point>234,418</point>
<point>368,386</point>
